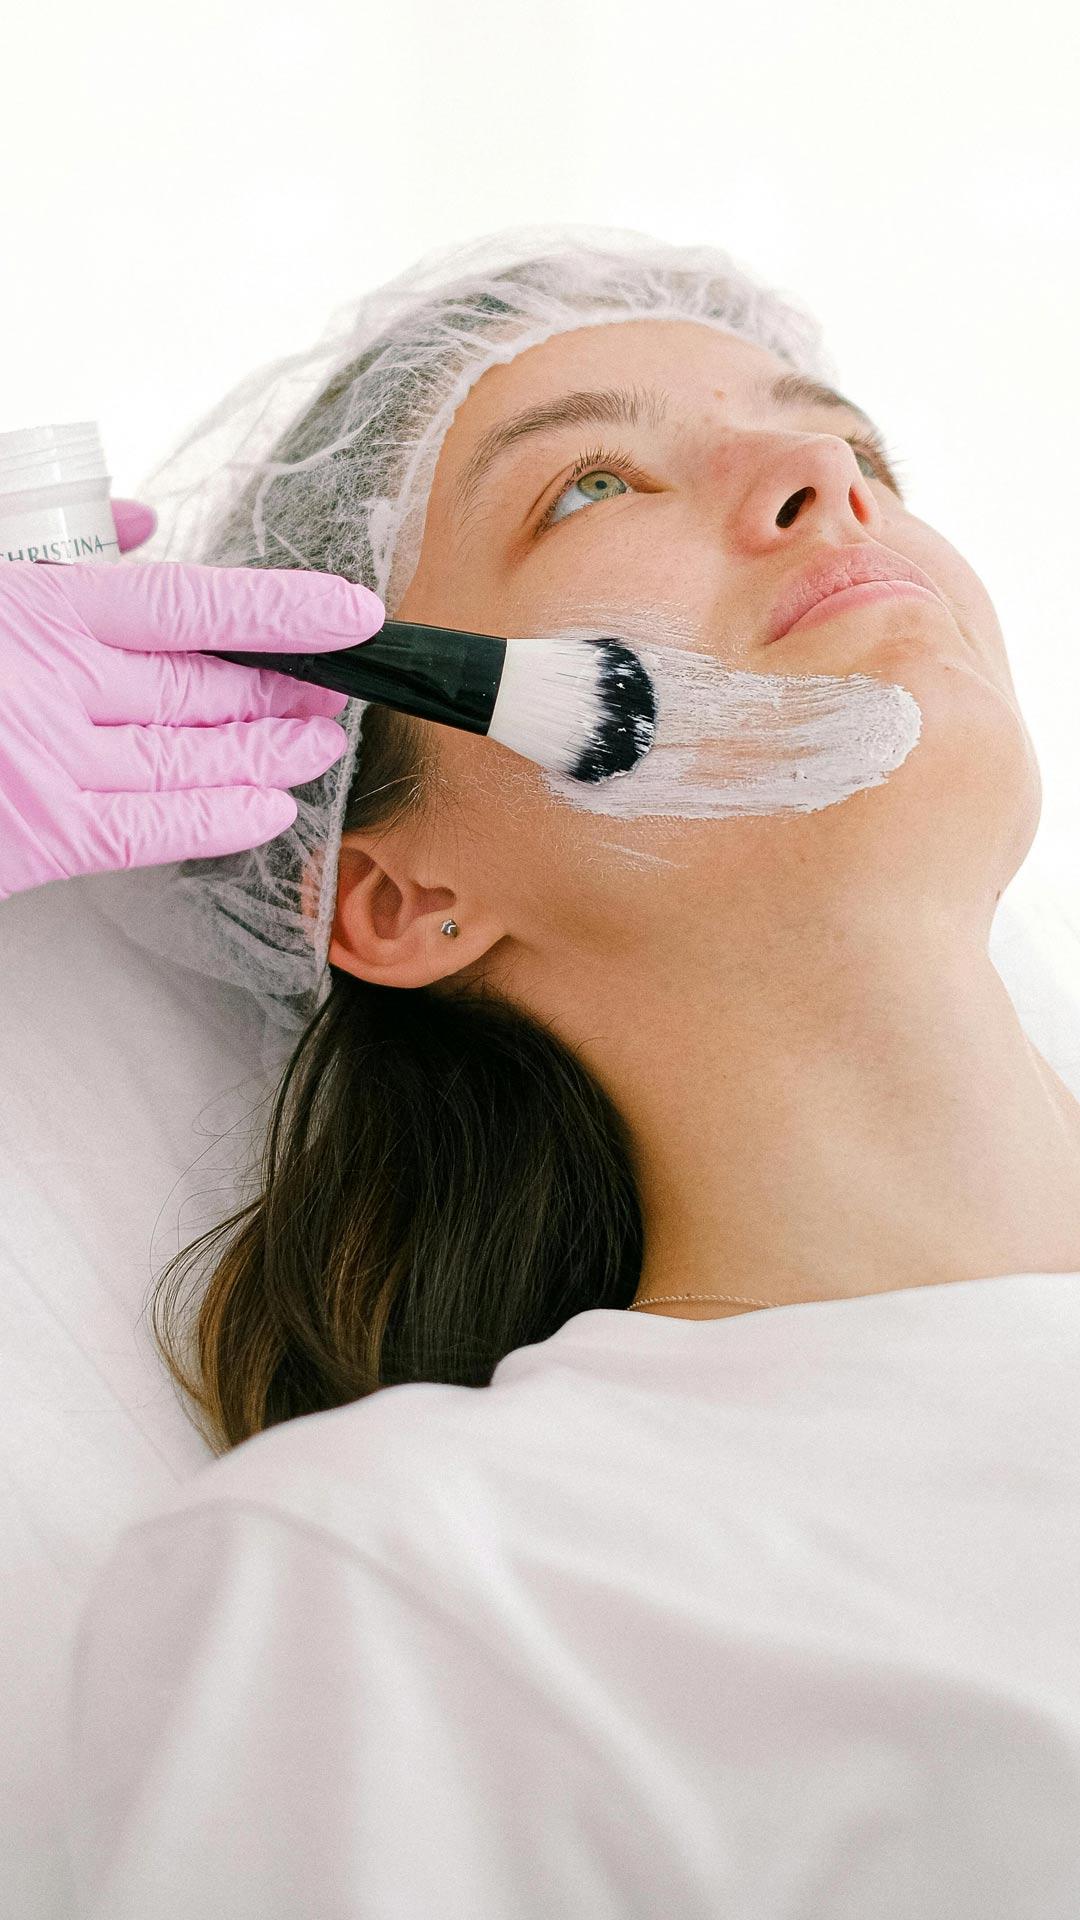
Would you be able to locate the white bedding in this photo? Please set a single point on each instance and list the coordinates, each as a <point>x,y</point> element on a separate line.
<point>116,1077</point>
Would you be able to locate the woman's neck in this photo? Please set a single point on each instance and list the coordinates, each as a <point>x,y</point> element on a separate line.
<point>869,1129</point>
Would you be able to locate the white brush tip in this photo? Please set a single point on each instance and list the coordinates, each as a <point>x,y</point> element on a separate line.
<point>583,707</point>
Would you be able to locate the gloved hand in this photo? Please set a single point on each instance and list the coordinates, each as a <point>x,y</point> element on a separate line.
<point>122,745</point>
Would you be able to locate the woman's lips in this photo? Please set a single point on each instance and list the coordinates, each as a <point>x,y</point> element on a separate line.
<point>851,597</point>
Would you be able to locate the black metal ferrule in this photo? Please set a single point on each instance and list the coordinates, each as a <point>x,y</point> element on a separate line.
<point>435,673</point>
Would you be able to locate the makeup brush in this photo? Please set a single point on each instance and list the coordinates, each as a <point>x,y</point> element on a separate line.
<point>583,707</point>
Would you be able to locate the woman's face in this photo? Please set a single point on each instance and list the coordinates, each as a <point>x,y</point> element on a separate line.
<point>690,520</point>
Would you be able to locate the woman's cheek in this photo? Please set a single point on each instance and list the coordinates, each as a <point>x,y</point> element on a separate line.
<point>580,568</point>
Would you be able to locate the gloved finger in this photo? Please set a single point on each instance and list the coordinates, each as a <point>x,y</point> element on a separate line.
<point>134,523</point>
<point>171,606</point>
<point>123,830</point>
<point>191,689</point>
<point>147,759</point>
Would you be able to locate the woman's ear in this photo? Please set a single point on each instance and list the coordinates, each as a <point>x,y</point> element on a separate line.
<point>388,924</point>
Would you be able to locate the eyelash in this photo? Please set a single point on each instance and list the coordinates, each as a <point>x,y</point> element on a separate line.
<point>624,468</point>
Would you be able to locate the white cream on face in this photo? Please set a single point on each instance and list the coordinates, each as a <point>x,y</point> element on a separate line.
<point>730,744</point>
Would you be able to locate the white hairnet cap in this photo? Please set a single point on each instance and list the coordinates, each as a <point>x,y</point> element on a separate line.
<point>326,460</point>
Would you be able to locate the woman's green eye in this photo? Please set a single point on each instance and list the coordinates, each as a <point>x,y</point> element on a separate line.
<point>599,485</point>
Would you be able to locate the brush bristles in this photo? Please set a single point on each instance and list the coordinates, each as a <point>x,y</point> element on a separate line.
<point>582,707</point>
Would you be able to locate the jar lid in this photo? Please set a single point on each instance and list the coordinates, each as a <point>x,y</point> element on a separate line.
<point>51,456</point>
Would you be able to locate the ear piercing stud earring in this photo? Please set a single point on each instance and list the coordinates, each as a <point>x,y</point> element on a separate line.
<point>450,927</point>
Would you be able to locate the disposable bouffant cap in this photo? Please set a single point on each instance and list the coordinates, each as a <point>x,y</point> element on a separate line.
<point>325,459</point>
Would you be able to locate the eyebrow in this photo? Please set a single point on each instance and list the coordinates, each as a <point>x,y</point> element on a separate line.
<point>608,406</point>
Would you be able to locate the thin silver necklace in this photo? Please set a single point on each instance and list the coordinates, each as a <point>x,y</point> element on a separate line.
<point>665,1299</point>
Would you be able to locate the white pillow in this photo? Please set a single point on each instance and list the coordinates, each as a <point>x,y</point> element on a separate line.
<point>118,1076</point>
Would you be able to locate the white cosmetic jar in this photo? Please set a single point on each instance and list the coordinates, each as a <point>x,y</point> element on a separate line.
<point>54,495</point>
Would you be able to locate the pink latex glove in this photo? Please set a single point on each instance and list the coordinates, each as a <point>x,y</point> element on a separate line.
<point>122,745</point>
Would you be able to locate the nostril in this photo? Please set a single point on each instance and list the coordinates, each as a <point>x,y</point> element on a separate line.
<point>791,507</point>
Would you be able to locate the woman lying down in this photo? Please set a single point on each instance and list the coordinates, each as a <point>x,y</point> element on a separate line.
<point>515,1590</point>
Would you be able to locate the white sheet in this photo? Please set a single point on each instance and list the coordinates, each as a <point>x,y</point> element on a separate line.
<point>117,1077</point>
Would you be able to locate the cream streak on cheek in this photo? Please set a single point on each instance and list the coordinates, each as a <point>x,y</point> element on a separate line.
<point>731,744</point>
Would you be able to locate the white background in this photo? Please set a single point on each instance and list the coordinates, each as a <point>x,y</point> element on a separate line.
<point>192,190</point>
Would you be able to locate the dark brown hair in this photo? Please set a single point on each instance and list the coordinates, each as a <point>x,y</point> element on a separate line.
<point>442,1182</point>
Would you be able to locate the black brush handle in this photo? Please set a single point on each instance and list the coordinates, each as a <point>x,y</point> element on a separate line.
<point>435,673</point>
